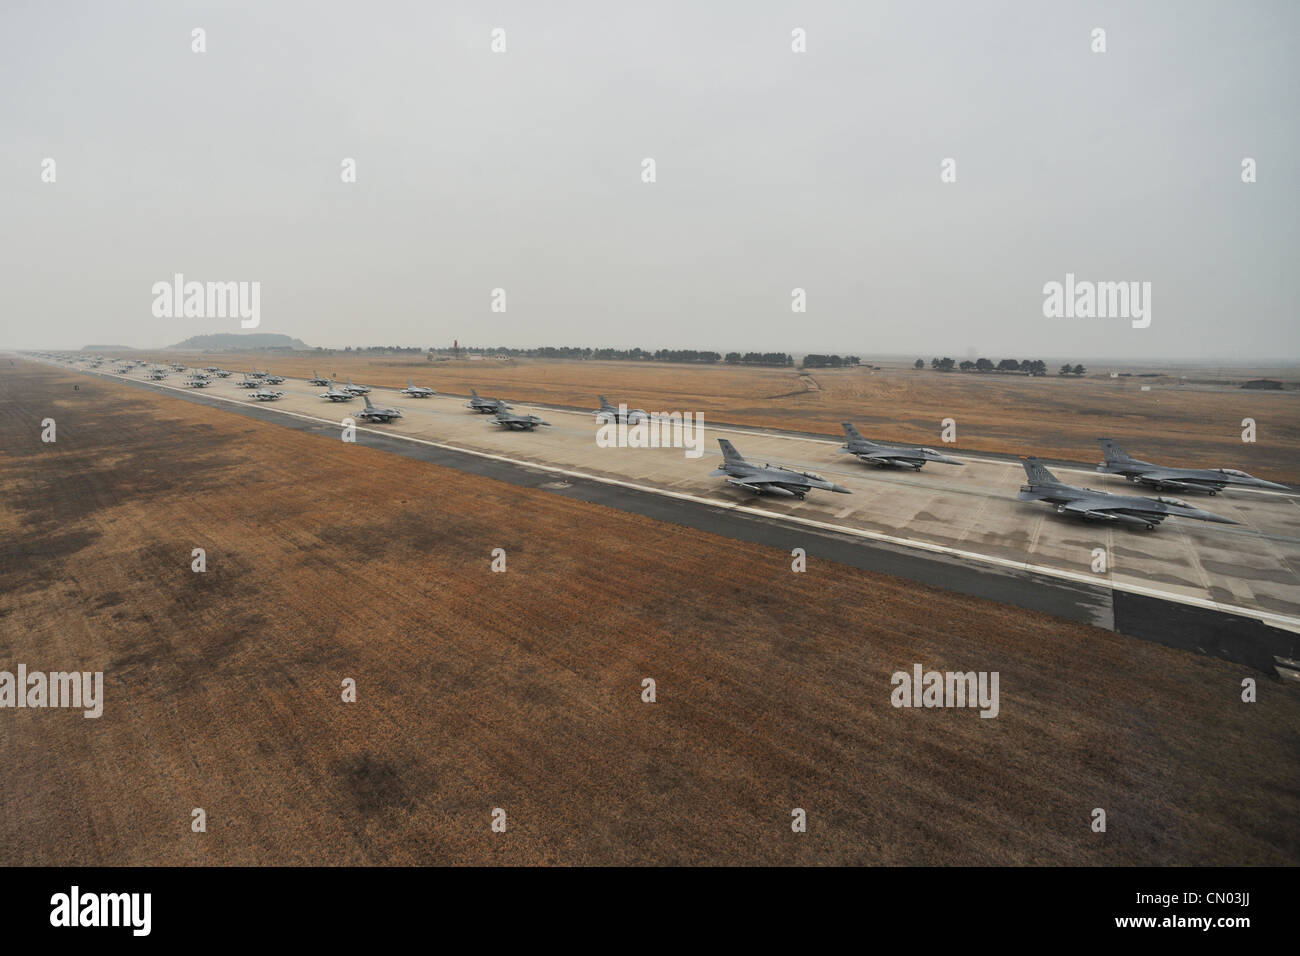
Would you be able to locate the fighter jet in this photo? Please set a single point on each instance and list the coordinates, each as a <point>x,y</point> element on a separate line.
<point>249,382</point>
<point>1212,480</point>
<point>885,455</point>
<point>195,381</point>
<point>221,373</point>
<point>374,413</point>
<point>267,395</point>
<point>270,379</point>
<point>157,374</point>
<point>316,379</point>
<point>769,479</point>
<point>177,367</point>
<point>1102,505</point>
<point>485,405</point>
<point>515,422</point>
<point>609,414</point>
<point>337,394</point>
<point>417,391</point>
<point>356,389</point>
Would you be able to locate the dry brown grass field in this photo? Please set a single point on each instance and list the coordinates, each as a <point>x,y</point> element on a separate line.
<point>522,690</point>
<point>1192,425</point>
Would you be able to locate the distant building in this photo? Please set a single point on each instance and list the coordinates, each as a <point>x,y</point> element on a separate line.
<point>1263,383</point>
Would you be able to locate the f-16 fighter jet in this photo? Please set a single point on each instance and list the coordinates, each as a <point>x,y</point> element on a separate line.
<point>316,379</point>
<point>769,479</point>
<point>158,374</point>
<point>417,391</point>
<point>197,381</point>
<point>356,389</point>
<point>508,419</point>
<point>617,414</point>
<point>1101,505</point>
<point>270,379</point>
<point>485,405</point>
<point>249,382</point>
<point>374,413</point>
<point>885,455</point>
<point>267,395</point>
<point>1213,480</point>
<point>337,394</point>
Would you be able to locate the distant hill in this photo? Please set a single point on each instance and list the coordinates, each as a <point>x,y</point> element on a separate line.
<point>233,340</point>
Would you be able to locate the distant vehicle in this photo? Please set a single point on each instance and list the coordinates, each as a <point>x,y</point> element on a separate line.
<point>1102,505</point>
<point>487,406</point>
<point>886,455</point>
<point>418,391</point>
<point>609,414</point>
<point>267,395</point>
<point>1211,480</point>
<point>270,379</point>
<point>510,420</point>
<point>316,379</point>
<point>375,413</point>
<point>356,389</point>
<point>337,394</point>
<point>769,479</point>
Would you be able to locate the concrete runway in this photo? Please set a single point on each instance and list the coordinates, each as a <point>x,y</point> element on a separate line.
<point>956,527</point>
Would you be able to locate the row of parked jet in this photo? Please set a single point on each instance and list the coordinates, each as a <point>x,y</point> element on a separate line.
<point>1042,485</point>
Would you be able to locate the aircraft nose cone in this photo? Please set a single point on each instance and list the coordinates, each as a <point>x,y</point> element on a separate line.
<point>1217,519</point>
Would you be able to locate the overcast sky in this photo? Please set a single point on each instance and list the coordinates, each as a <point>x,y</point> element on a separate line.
<point>522,170</point>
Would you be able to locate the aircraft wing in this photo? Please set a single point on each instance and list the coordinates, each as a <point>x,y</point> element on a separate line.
<point>754,483</point>
<point>1170,480</point>
<point>890,454</point>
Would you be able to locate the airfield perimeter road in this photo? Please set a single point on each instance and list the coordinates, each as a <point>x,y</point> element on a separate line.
<point>1230,591</point>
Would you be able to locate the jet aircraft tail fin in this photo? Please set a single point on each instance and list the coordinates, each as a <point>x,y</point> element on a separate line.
<point>1114,452</point>
<point>729,453</point>
<point>851,431</point>
<point>1038,473</point>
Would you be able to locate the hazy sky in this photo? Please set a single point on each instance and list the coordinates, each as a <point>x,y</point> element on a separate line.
<point>775,170</point>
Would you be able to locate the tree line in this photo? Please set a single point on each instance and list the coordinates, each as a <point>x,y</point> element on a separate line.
<point>1035,367</point>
